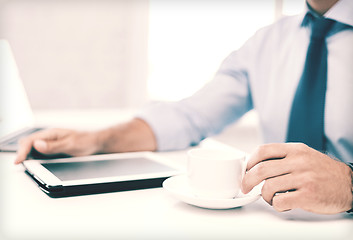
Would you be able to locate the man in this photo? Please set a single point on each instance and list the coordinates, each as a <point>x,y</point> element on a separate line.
<point>297,74</point>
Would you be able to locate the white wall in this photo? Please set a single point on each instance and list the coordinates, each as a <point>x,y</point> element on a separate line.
<point>79,53</point>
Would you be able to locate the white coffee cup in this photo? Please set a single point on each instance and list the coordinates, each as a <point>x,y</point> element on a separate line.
<point>214,173</point>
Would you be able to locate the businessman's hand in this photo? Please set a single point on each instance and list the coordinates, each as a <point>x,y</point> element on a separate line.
<point>134,135</point>
<point>297,176</point>
<point>54,141</point>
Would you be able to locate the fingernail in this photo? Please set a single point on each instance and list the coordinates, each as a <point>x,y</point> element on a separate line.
<point>40,145</point>
<point>17,161</point>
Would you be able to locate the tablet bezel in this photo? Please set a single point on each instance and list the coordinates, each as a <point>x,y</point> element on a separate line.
<point>47,178</point>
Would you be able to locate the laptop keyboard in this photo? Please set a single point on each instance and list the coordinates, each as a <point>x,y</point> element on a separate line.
<point>14,141</point>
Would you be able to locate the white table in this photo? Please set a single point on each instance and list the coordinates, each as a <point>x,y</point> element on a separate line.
<point>27,213</point>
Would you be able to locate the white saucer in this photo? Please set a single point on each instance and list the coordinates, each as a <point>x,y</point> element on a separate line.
<point>179,188</point>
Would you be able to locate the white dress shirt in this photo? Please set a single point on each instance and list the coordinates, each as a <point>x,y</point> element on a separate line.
<point>263,75</point>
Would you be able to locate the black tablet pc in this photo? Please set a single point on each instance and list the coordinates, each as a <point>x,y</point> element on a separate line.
<point>99,173</point>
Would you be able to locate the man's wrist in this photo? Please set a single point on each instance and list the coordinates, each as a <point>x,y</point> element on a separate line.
<point>133,135</point>
<point>104,140</point>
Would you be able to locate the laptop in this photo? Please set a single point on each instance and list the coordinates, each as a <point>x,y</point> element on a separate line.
<point>16,116</point>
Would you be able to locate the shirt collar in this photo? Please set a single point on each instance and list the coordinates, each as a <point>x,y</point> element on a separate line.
<point>341,12</point>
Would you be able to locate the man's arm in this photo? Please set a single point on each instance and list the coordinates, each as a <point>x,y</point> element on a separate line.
<point>134,135</point>
<point>163,126</point>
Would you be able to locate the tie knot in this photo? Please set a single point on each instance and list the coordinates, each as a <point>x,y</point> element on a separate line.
<point>320,27</point>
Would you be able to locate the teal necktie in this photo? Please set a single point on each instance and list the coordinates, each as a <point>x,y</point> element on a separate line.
<point>306,122</point>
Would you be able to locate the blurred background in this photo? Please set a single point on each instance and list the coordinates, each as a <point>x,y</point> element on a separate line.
<point>83,54</point>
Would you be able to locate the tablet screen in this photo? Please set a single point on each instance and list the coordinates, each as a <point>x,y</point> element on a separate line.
<point>67,171</point>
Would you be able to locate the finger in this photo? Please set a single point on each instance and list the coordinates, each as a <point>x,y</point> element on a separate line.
<point>280,184</point>
<point>41,146</point>
<point>24,149</point>
<point>266,152</point>
<point>262,171</point>
<point>52,146</point>
<point>26,144</point>
<point>49,134</point>
<point>287,201</point>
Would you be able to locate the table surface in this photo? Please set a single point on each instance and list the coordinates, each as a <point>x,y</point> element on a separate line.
<point>27,213</point>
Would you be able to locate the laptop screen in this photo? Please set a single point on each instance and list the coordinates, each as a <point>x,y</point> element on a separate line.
<point>15,110</point>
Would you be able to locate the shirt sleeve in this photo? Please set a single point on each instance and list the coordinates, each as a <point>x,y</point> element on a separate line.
<point>222,101</point>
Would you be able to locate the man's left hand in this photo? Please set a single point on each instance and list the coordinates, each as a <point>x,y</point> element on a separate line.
<point>297,176</point>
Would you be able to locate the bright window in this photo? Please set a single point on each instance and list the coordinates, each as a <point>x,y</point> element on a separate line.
<point>188,40</point>
<point>292,7</point>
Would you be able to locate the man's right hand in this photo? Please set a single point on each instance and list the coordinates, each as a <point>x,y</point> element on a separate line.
<point>55,141</point>
<point>134,135</point>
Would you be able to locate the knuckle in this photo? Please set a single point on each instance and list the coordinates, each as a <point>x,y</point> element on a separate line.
<point>49,147</point>
<point>302,148</point>
<point>69,142</point>
<point>54,131</point>
<point>260,150</point>
<point>268,185</point>
<point>267,193</point>
<point>259,169</point>
<point>302,145</point>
